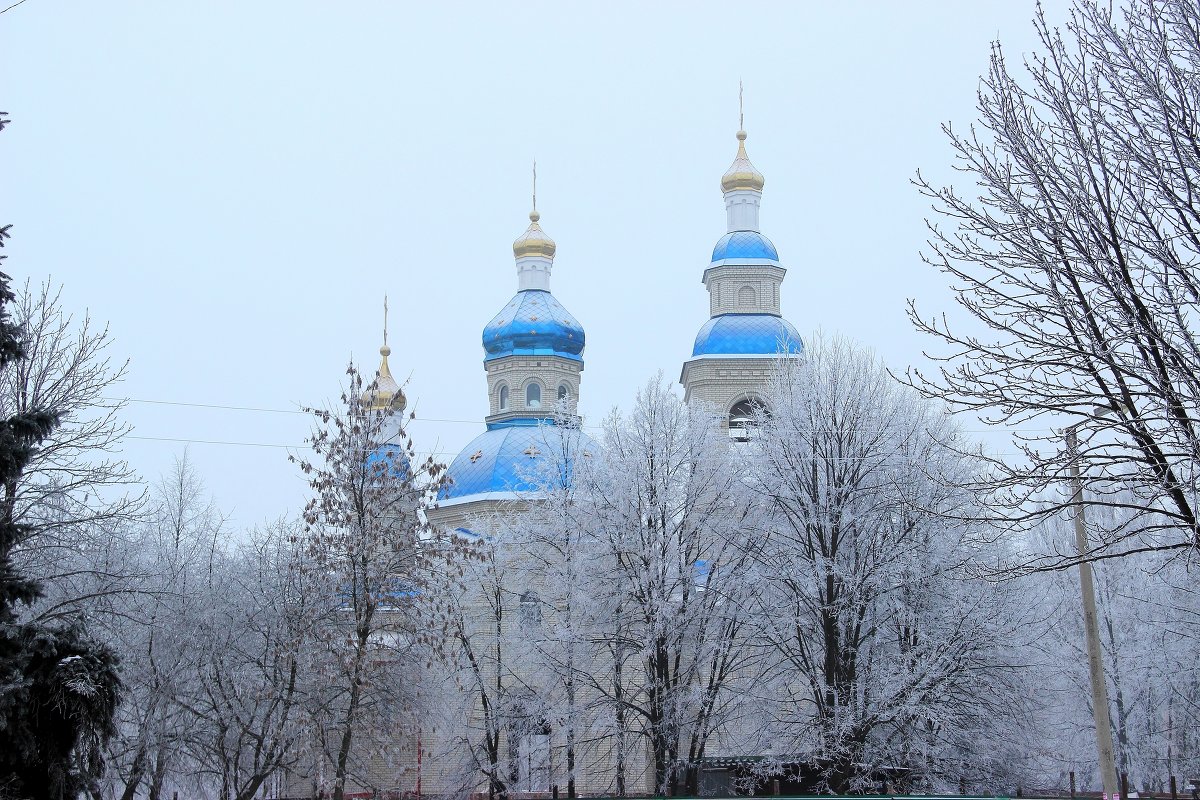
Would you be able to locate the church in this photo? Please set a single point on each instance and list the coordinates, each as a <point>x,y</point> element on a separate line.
<point>533,364</point>
<point>534,348</point>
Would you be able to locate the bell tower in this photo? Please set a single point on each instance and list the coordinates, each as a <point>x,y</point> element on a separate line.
<point>736,349</point>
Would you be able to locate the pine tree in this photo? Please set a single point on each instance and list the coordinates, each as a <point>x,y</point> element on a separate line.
<point>58,688</point>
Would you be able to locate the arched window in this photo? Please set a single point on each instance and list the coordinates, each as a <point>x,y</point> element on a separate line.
<point>563,391</point>
<point>747,296</point>
<point>504,398</point>
<point>531,610</point>
<point>533,396</point>
<point>742,419</point>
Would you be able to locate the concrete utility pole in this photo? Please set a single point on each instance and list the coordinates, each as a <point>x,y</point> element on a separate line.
<point>1091,631</point>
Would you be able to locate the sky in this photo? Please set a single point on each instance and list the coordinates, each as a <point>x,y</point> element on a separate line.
<point>233,187</point>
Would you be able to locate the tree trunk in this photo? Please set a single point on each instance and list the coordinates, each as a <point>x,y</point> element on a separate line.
<point>343,756</point>
<point>136,772</point>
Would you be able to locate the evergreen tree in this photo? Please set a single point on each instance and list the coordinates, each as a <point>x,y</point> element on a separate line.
<point>58,688</point>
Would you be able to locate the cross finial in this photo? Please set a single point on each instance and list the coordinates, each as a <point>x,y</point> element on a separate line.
<point>385,320</point>
<point>535,184</point>
<point>741,114</point>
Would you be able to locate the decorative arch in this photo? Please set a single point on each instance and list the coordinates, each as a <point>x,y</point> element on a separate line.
<point>564,392</point>
<point>743,417</point>
<point>747,296</point>
<point>502,399</point>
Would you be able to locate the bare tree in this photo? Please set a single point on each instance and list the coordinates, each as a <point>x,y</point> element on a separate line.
<point>76,494</point>
<point>1075,258</point>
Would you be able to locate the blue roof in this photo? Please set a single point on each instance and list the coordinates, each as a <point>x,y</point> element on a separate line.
<point>515,458</point>
<point>744,244</point>
<point>533,324</point>
<point>747,334</point>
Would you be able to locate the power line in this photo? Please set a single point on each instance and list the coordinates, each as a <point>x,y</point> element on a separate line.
<point>440,420</point>
<point>257,409</point>
<point>212,441</point>
<point>302,446</point>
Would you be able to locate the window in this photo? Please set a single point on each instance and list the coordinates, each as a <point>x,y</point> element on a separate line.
<point>563,391</point>
<point>742,419</point>
<point>504,398</point>
<point>747,296</point>
<point>533,757</point>
<point>531,610</point>
<point>533,396</point>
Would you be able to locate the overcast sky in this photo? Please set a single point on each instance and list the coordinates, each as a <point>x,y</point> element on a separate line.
<point>234,186</point>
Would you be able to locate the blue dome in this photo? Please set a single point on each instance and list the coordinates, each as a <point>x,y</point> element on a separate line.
<point>747,334</point>
<point>744,244</point>
<point>514,458</point>
<point>533,324</point>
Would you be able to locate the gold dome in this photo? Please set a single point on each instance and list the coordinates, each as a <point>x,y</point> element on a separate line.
<point>534,241</point>
<point>741,174</point>
<point>385,393</point>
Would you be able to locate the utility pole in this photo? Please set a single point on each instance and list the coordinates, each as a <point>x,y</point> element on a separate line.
<point>1091,631</point>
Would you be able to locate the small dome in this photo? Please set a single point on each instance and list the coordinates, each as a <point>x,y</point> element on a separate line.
<point>389,461</point>
<point>386,393</point>
<point>513,458</point>
<point>747,334</point>
<point>533,324</point>
<point>534,241</point>
<point>741,173</point>
<point>744,244</point>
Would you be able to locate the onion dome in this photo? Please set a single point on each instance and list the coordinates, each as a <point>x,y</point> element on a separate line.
<point>534,241</point>
<point>738,245</point>
<point>533,323</point>
<point>747,334</point>
<point>741,174</point>
<point>384,393</point>
<point>506,460</point>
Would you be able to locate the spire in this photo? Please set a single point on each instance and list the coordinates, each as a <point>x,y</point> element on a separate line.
<point>385,393</point>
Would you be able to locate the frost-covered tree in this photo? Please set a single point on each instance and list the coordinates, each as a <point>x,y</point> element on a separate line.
<point>58,687</point>
<point>248,695</point>
<point>1150,655</point>
<point>668,571</point>
<point>476,588</point>
<point>1075,255</point>
<point>157,621</point>
<point>881,651</point>
<point>553,600</point>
